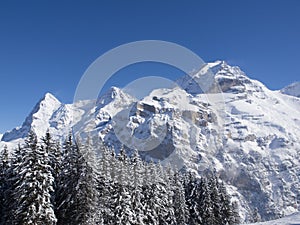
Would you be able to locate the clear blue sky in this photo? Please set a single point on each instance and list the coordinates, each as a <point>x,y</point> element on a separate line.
<point>45,46</point>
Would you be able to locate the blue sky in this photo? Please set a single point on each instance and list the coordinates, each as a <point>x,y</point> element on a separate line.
<point>45,46</point>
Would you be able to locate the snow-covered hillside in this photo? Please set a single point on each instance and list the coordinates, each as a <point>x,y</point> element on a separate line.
<point>247,133</point>
<point>293,219</point>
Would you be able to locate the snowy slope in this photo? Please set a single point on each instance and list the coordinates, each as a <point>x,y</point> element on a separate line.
<point>247,133</point>
<point>293,89</point>
<point>293,219</point>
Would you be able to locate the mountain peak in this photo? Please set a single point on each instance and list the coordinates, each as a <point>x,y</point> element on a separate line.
<point>114,91</point>
<point>49,98</point>
<point>219,71</point>
<point>112,94</point>
<point>49,95</point>
<point>220,63</point>
<point>42,112</point>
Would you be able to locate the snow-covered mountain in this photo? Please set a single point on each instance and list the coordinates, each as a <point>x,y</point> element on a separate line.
<point>38,119</point>
<point>292,89</point>
<point>247,133</point>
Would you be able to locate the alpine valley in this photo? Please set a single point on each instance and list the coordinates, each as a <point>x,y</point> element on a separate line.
<point>253,145</point>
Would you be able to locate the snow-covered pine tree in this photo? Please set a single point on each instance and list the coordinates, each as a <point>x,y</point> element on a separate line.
<point>215,199</point>
<point>87,194</point>
<point>4,185</point>
<point>179,203</point>
<point>67,181</point>
<point>121,198</point>
<point>167,194</point>
<point>105,163</point>
<point>77,187</point>
<point>106,201</point>
<point>206,204</point>
<point>12,180</point>
<point>192,196</point>
<point>226,207</point>
<point>53,150</point>
<point>136,183</point>
<point>33,187</point>
<point>150,196</point>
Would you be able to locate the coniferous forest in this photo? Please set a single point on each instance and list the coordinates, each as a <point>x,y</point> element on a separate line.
<point>44,182</point>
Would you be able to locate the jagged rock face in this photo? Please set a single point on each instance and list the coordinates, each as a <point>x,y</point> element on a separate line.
<point>254,145</point>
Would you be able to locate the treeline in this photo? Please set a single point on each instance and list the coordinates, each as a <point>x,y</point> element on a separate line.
<point>46,183</point>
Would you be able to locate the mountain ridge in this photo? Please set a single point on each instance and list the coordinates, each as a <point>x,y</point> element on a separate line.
<point>254,149</point>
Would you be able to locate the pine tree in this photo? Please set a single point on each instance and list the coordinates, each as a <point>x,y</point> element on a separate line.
<point>109,173</point>
<point>12,180</point>
<point>67,182</point>
<point>121,196</point>
<point>150,195</point>
<point>136,168</point>
<point>168,212</point>
<point>216,200</point>
<point>192,196</point>
<point>53,150</point>
<point>226,207</point>
<point>179,203</point>
<point>87,195</point>
<point>105,163</point>
<point>4,184</point>
<point>33,187</point>
<point>78,185</point>
<point>206,210</point>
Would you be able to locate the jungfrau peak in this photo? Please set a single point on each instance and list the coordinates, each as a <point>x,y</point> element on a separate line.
<point>256,153</point>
